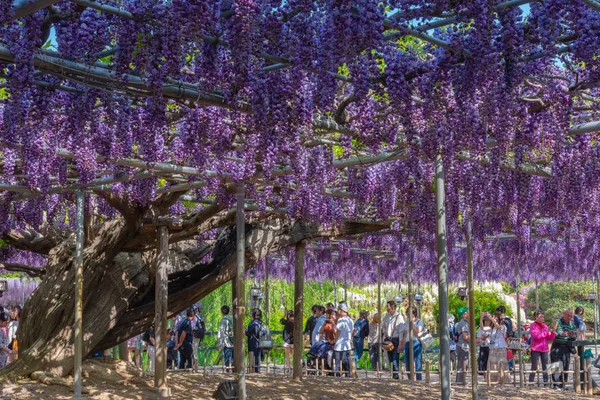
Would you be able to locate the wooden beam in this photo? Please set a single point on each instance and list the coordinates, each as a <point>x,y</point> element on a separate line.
<point>298,308</point>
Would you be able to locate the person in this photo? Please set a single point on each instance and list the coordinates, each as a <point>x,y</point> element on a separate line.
<point>13,325</point>
<point>418,327</point>
<point>581,329</point>
<point>310,323</point>
<point>484,334</point>
<point>134,345</point>
<point>374,341</point>
<point>497,360</point>
<point>151,349</point>
<point>463,344</point>
<point>540,336</point>
<point>185,340</point>
<point>198,330</point>
<point>361,331</point>
<point>288,338</point>
<point>392,325</point>
<point>225,337</point>
<point>343,342</point>
<point>171,352</point>
<point>320,320</point>
<point>453,340</point>
<point>5,352</point>
<point>509,328</point>
<point>329,306</point>
<point>254,334</point>
<point>562,346</point>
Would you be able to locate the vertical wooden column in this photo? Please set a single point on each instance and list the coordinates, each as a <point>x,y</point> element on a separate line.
<point>267,299</point>
<point>519,332</point>
<point>78,328</point>
<point>335,293</point>
<point>240,310</point>
<point>442,255</point>
<point>379,310</point>
<point>471,293</point>
<point>123,352</point>
<point>298,308</point>
<point>161,293</point>
<point>411,351</point>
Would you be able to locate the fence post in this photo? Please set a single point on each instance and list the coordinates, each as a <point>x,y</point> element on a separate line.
<point>488,377</point>
<point>590,382</point>
<point>501,382</point>
<point>427,374</point>
<point>251,361</point>
<point>576,375</point>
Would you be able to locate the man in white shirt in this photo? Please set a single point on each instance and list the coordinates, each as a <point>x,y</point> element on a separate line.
<point>319,313</point>
<point>343,335</point>
<point>392,326</point>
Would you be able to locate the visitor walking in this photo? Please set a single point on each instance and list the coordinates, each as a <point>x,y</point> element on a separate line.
<point>151,350</point>
<point>310,323</point>
<point>13,325</point>
<point>463,344</point>
<point>320,320</point>
<point>288,339</point>
<point>562,346</point>
<point>185,340</point>
<point>453,340</point>
<point>5,352</point>
<point>497,360</point>
<point>581,329</point>
<point>171,352</point>
<point>134,345</point>
<point>509,328</point>
<point>484,339</point>
<point>392,325</point>
<point>256,330</point>
<point>540,336</point>
<point>361,331</point>
<point>418,327</point>
<point>374,341</point>
<point>198,331</point>
<point>225,338</point>
<point>343,343</point>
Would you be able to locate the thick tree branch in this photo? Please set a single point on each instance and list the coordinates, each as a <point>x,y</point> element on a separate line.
<point>29,240</point>
<point>34,272</point>
<point>341,116</point>
<point>22,8</point>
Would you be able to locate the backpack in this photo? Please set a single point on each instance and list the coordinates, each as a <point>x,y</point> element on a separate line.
<point>509,326</point>
<point>264,338</point>
<point>199,330</point>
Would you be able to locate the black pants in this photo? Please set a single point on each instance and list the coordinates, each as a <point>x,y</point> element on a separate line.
<point>482,361</point>
<point>562,353</point>
<point>342,358</point>
<point>536,357</point>
<point>185,356</point>
<point>580,350</point>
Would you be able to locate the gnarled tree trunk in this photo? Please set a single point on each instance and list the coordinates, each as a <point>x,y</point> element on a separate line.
<point>119,283</point>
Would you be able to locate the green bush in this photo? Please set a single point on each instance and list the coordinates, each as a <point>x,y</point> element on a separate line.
<point>556,297</point>
<point>484,302</point>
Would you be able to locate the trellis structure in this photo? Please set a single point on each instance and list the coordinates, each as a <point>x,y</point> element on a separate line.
<point>80,76</point>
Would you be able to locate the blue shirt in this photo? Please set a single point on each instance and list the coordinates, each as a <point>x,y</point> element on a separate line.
<point>578,321</point>
<point>186,326</point>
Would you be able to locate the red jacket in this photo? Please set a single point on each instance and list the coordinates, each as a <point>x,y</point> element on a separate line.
<point>540,336</point>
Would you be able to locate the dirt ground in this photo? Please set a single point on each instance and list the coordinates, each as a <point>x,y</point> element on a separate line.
<point>108,380</point>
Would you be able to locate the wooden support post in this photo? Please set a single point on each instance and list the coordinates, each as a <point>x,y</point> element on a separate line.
<point>589,384</point>
<point>78,327</point>
<point>471,294</point>
<point>519,330</point>
<point>251,362</point>
<point>240,310</point>
<point>442,261</point>
<point>124,352</point>
<point>267,297</point>
<point>161,293</point>
<point>488,377</point>
<point>298,308</point>
<point>576,374</point>
<point>352,365</point>
<point>411,352</point>
<point>501,381</point>
<point>427,372</point>
<point>379,309</point>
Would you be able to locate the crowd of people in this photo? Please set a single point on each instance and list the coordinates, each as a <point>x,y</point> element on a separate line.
<point>549,346</point>
<point>9,324</point>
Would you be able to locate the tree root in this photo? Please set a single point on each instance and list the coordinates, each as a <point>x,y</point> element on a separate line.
<point>48,378</point>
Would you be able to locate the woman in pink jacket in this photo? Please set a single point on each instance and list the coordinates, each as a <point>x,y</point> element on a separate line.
<point>540,336</point>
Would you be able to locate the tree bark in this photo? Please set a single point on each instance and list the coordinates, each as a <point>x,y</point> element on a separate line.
<point>119,285</point>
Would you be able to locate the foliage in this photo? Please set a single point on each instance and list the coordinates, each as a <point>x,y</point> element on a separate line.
<point>484,302</point>
<point>556,297</point>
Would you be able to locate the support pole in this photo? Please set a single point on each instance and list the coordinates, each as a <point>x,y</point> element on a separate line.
<point>411,351</point>
<point>267,305</point>
<point>519,332</point>
<point>471,293</point>
<point>537,294</point>
<point>298,308</point>
<point>345,289</point>
<point>596,312</point>
<point>80,240</point>
<point>240,310</point>
<point>379,349</point>
<point>335,294</point>
<point>124,352</point>
<point>442,261</point>
<point>161,293</point>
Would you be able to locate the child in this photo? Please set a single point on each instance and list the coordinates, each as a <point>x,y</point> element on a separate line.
<point>171,352</point>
